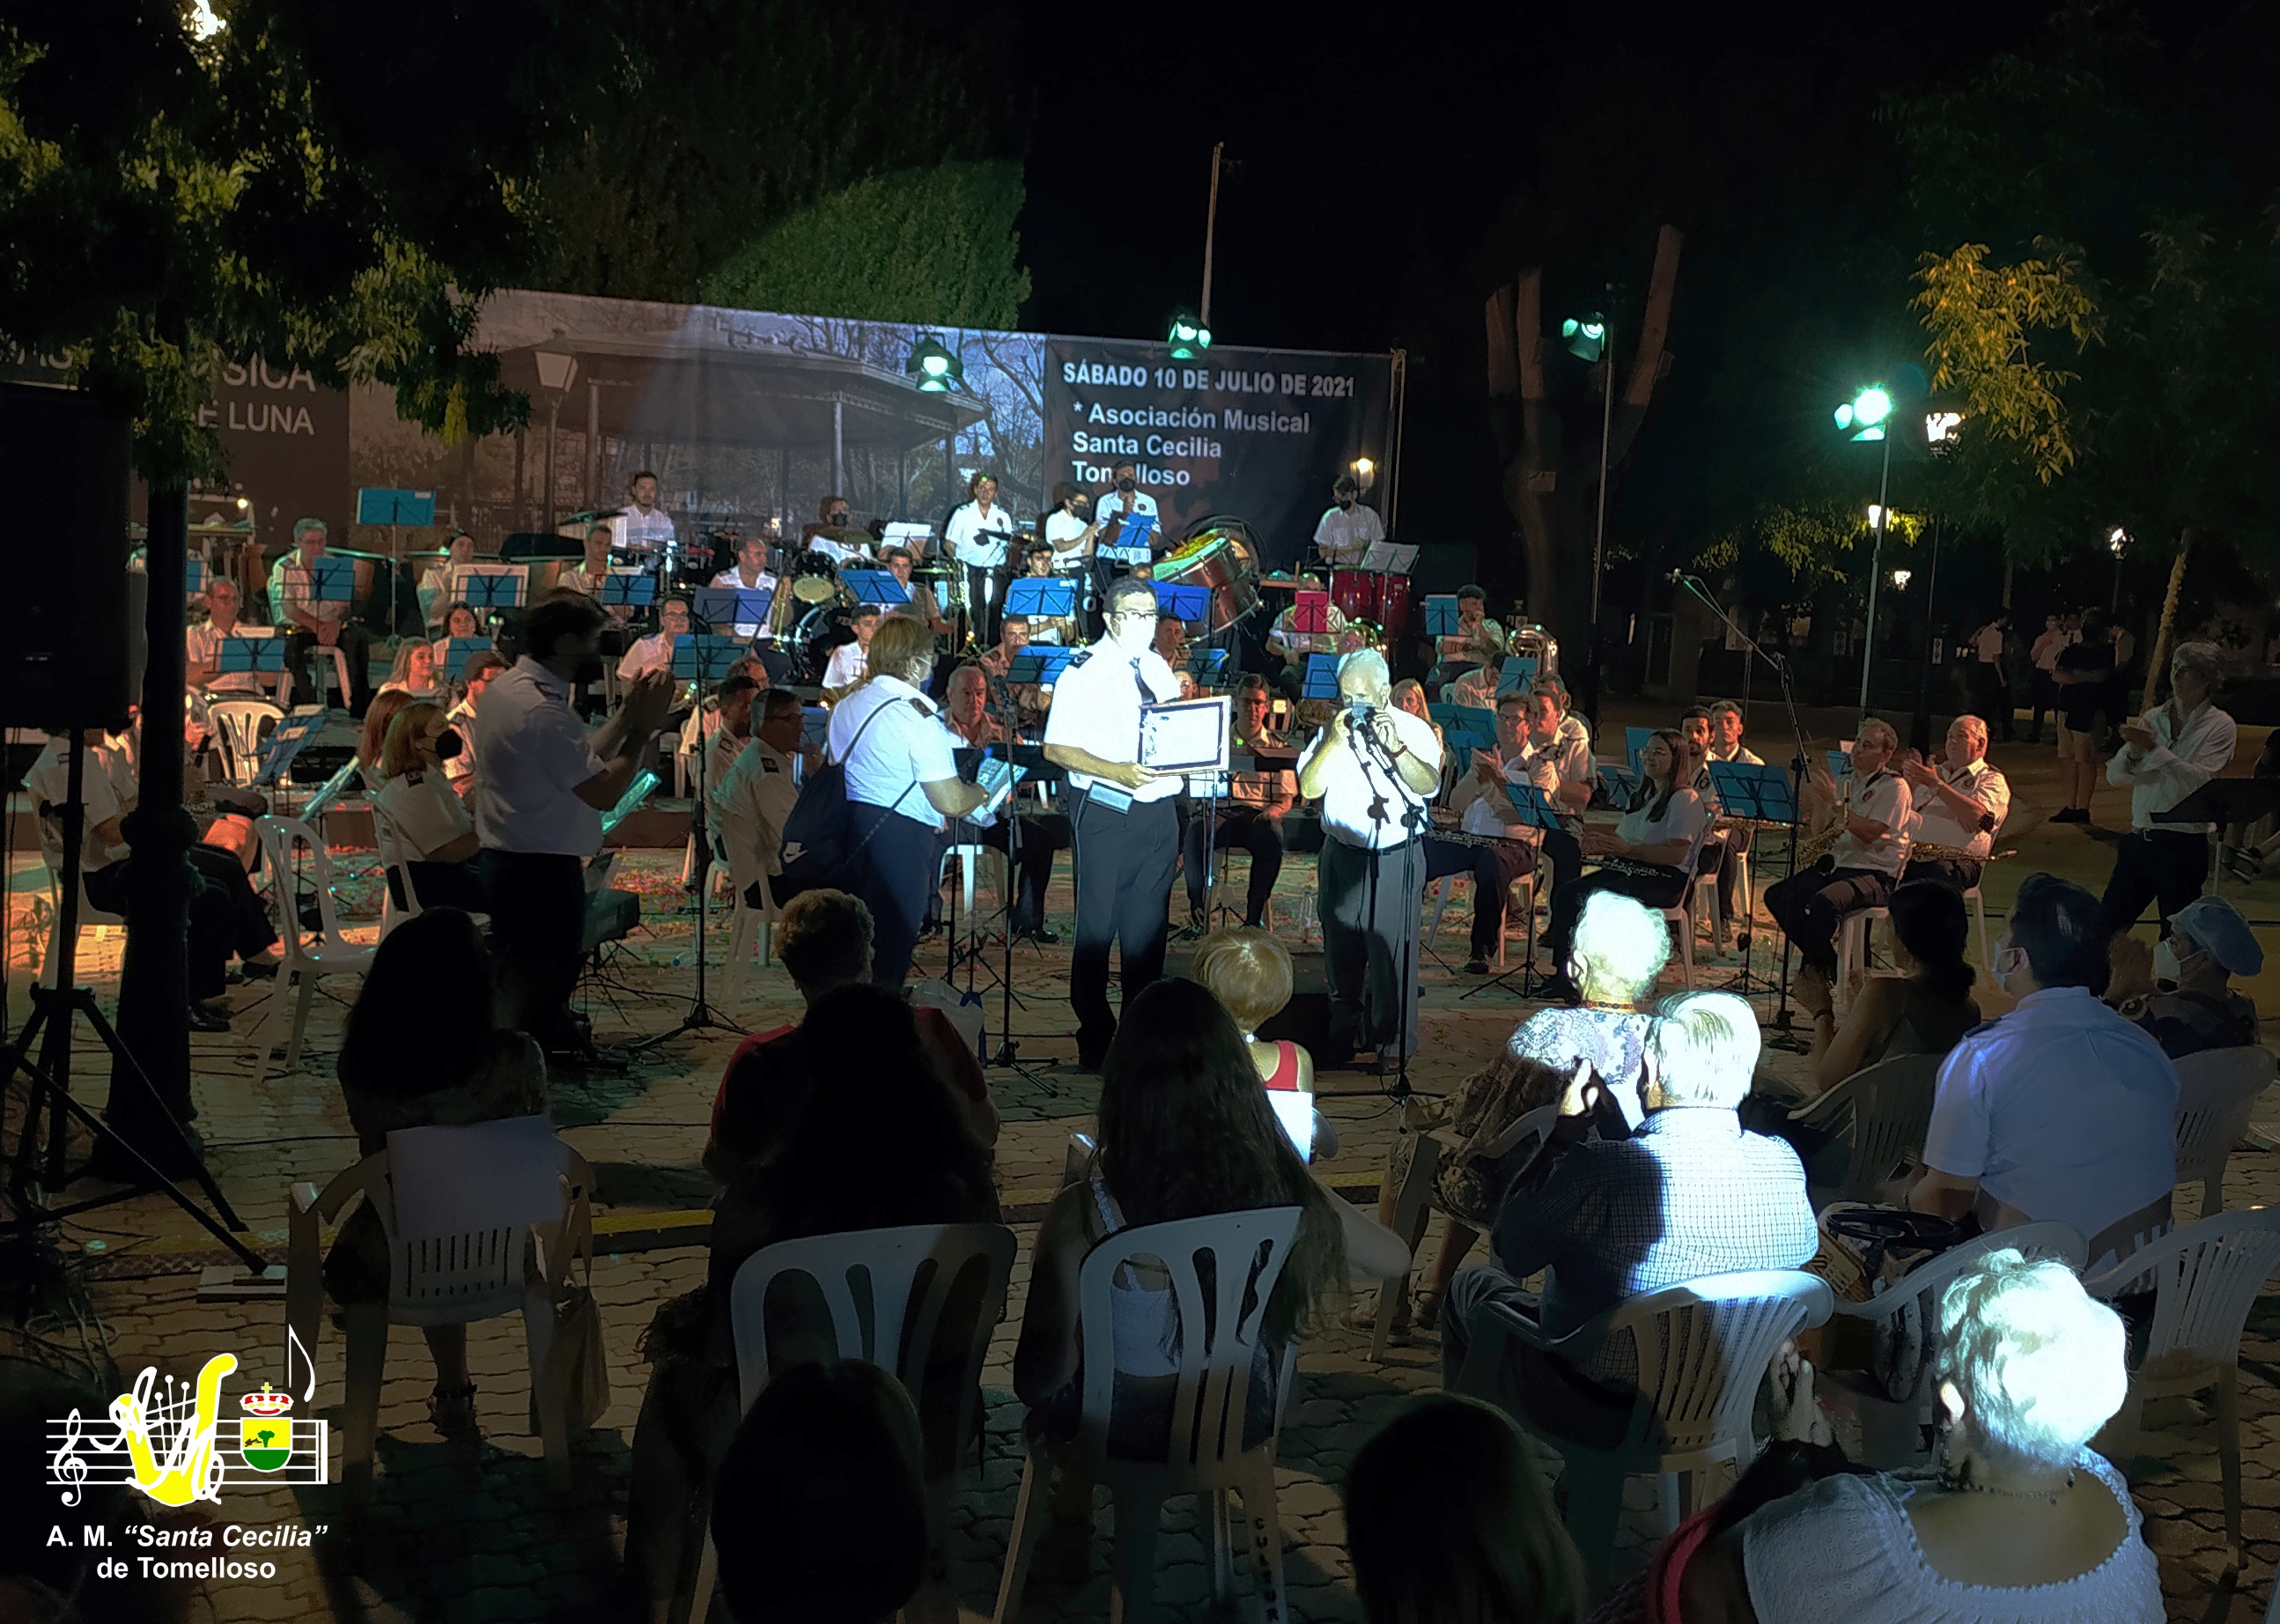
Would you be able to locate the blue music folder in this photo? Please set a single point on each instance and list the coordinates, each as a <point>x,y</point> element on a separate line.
<point>1048,596</point>
<point>1190,604</point>
<point>1205,665</point>
<point>1840,764</point>
<point>194,575</point>
<point>492,591</point>
<point>705,659</point>
<point>1040,663</point>
<point>376,506</point>
<point>875,586</point>
<point>1322,677</point>
<point>815,724</point>
<point>636,588</point>
<point>1134,531</point>
<point>1441,615</point>
<point>243,653</point>
<point>331,580</point>
<point>733,605</point>
<point>1634,741</point>
<point>458,651</point>
<point>1517,674</point>
<point>1752,789</point>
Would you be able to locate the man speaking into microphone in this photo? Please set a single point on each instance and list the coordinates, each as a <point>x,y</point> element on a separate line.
<point>1374,768</point>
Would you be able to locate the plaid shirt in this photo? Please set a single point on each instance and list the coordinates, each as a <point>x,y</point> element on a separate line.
<point>1689,1193</point>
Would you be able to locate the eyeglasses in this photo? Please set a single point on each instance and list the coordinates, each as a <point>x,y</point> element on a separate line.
<point>1134,614</point>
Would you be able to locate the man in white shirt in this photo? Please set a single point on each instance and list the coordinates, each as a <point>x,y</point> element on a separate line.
<point>1069,527</point>
<point>850,660</point>
<point>755,797</point>
<point>644,527</point>
<point>1992,675</point>
<point>1124,829</point>
<point>1482,802</point>
<point>750,573</point>
<point>1291,646</point>
<point>1348,527</point>
<point>654,653</point>
<point>1477,637</point>
<point>1122,501</point>
<point>202,643</point>
<point>979,535</point>
<point>1556,738</point>
<point>1960,803</point>
<point>2166,755</point>
<point>1875,810</point>
<point>2061,1110</point>
<point>1726,728</point>
<point>544,785</point>
<point>1249,818</point>
<point>316,624</point>
<point>1374,768</point>
<point>1477,687</point>
<point>920,603</point>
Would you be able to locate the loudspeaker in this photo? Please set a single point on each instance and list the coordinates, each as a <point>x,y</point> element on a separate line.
<point>66,660</point>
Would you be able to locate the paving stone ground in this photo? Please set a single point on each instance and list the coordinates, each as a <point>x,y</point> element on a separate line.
<point>475,1531</point>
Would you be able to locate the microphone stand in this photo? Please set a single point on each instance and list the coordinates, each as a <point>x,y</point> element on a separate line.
<point>701,1016</point>
<point>1786,1037</point>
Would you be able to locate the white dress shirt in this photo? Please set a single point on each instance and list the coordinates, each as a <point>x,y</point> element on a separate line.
<point>2066,1110</point>
<point>653,652</point>
<point>1681,818</point>
<point>2181,760</point>
<point>1355,780</point>
<point>1566,760</point>
<point>461,767</point>
<point>635,531</point>
<point>50,780</point>
<point>293,584</point>
<point>1345,534</point>
<point>534,755</point>
<point>202,646</point>
<point>906,747</point>
<point>734,580</point>
<point>1742,753</point>
<point>979,540</point>
<point>1065,532</point>
<point>1096,708</point>
<point>846,668</point>
<point>1935,822</point>
<point>753,802</point>
<point>1479,815</point>
<point>1110,504</point>
<point>422,815</point>
<point>1882,799</point>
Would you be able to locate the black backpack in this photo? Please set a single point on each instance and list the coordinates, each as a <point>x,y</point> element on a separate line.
<point>820,842</point>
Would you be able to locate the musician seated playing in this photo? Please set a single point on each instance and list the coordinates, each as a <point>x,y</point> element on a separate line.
<point>1644,857</point>
<point>461,767</point>
<point>1171,639</point>
<point>414,670</point>
<point>1870,819</point>
<point>317,624</point>
<point>850,661</point>
<point>459,621</point>
<point>590,576</point>
<point>654,653</point>
<point>921,603</point>
<point>966,715</point>
<point>1477,687</point>
<point>1025,703</point>
<point>1039,563</point>
<point>202,645</point>
<point>1477,638</point>
<point>1292,646</point>
<point>1503,848</point>
<point>1248,819</point>
<point>424,830</point>
<point>437,582</point>
<point>1959,808</point>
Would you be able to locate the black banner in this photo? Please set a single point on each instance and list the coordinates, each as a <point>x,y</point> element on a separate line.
<point>1258,434</point>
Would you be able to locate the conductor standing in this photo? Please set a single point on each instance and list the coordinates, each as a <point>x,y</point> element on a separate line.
<point>1124,832</point>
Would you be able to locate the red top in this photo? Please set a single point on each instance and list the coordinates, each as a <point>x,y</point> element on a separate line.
<point>1286,1065</point>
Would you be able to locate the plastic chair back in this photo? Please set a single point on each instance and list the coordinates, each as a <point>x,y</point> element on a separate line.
<point>239,722</point>
<point>2206,1277</point>
<point>1248,1251</point>
<point>886,1291</point>
<point>1536,1125</point>
<point>279,837</point>
<point>2216,1091</point>
<point>1890,1103</point>
<point>462,1202</point>
<point>1923,1284</point>
<point>1704,1346</point>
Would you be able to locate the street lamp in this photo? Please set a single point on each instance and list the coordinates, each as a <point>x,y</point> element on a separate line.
<point>1365,473</point>
<point>1592,338</point>
<point>1864,417</point>
<point>935,369</point>
<point>556,372</point>
<point>1190,337</point>
<point>2117,544</point>
<point>1901,580</point>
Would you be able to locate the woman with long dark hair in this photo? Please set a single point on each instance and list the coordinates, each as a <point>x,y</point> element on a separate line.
<point>1184,1131</point>
<point>1651,843</point>
<point>1922,1011</point>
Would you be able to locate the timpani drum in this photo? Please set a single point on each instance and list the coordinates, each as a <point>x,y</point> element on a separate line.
<point>1222,568</point>
<point>1393,602</point>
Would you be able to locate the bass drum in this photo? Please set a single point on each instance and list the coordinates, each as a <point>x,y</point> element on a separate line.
<point>812,639</point>
<point>1222,568</point>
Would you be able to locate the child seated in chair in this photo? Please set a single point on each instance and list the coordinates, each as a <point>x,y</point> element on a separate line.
<point>1249,971</point>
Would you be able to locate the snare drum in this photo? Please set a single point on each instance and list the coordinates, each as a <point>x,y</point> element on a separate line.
<point>1357,593</point>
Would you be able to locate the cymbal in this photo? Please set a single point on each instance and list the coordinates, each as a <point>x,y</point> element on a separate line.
<point>814,589</point>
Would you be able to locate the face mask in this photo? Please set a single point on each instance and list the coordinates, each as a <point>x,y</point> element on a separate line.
<point>2166,967</point>
<point>447,744</point>
<point>1127,483</point>
<point>1345,501</point>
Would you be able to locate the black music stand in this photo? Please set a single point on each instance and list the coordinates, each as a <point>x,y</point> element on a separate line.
<point>624,588</point>
<point>1761,794</point>
<point>1536,811</point>
<point>492,592</point>
<point>735,606</point>
<point>2225,801</point>
<point>457,651</point>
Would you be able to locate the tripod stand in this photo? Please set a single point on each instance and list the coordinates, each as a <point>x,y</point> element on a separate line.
<point>37,1170</point>
<point>701,1016</point>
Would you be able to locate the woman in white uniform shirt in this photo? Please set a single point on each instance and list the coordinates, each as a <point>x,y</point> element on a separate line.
<point>424,829</point>
<point>978,535</point>
<point>902,782</point>
<point>1654,840</point>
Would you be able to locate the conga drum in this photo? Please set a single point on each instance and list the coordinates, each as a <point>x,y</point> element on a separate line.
<point>1393,606</point>
<point>1355,593</point>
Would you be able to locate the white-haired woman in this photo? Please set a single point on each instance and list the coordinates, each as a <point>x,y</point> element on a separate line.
<point>2022,1523</point>
<point>1619,949</point>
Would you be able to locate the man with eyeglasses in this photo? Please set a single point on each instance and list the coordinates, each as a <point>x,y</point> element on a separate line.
<point>1124,829</point>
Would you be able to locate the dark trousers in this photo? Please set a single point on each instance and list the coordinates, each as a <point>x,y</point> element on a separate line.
<point>538,931</point>
<point>249,931</point>
<point>1810,907</point>
<point>2166,867</point>
<point>985,594</point>
<point>1663,887</point>
<point>1493,869</point>
<point>213,927</point>
<point>443,885</point>
<point>1123,862</point>
<point>300,660</point>
<point>2046,699</point>
<point>1992,696</point>
<point>1239,828</point>
<point>1041,836</point>
<point>1942,870</point>
<point>896,873</point>
<point>1371,953</point>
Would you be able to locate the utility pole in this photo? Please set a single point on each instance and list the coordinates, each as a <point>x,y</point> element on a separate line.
<point>1211,227</point>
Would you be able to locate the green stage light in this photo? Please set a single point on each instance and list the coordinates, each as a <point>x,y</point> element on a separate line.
<point>1864,416</point>
<point>936,370</point>
<point>1586,340</point>
<point>1189,337</point>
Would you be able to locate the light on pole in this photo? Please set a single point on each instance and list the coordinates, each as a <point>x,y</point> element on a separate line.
<point>2117,544</point>
<point>1868,416</point>
<point>1901,580</point>
<point>1592,338</point>
<point>1365,473</point>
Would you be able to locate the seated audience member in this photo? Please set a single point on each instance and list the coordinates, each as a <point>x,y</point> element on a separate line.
<point>459,621</point>
<point>371,733</point>
<point>850,662</point>
<point>654,653</point>
<point>1449,1521</point>
<point>818,1509</point>
<point>414,670</point>
<point>2208,945</point>
<point>1252,823</point>
<point>423,1049</point>
<point>1619,949</point>
<point>1690,1193</point>
<point>1477,687</point>
<point>1654,840</point>
<point>824,939</point>
<point>1481,794</point>
<point>1249,971</point>
<point>201,649</point>
<point>460,768</point>
<point>897,1151</point>
<point>1925,1008</point>
<point>1177,1075</point>
<point>2023,1519</point>
<point>755,797</point>
<point>2060,1109</point>
<point>427,841</point>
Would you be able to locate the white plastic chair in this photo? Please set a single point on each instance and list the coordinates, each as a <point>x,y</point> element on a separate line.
<point>1890,1104</point>
<point>1890,1431</point>
<point>239,725</point>
<point>970,856</point>
<point>1681,913</point>
<point>1414,1203</point>
<point>2217,1090</point>
<point>888,1279</point>
<point>1207,1406</point>
<point>2207,1276</point>
<point>307,963</point>
<point>749,922</point>
<point>1703,1348</point>
<point>89,915</point>
<point>482,1220</point>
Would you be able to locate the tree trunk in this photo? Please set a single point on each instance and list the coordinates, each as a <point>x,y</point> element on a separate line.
<point>2157,663</point>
